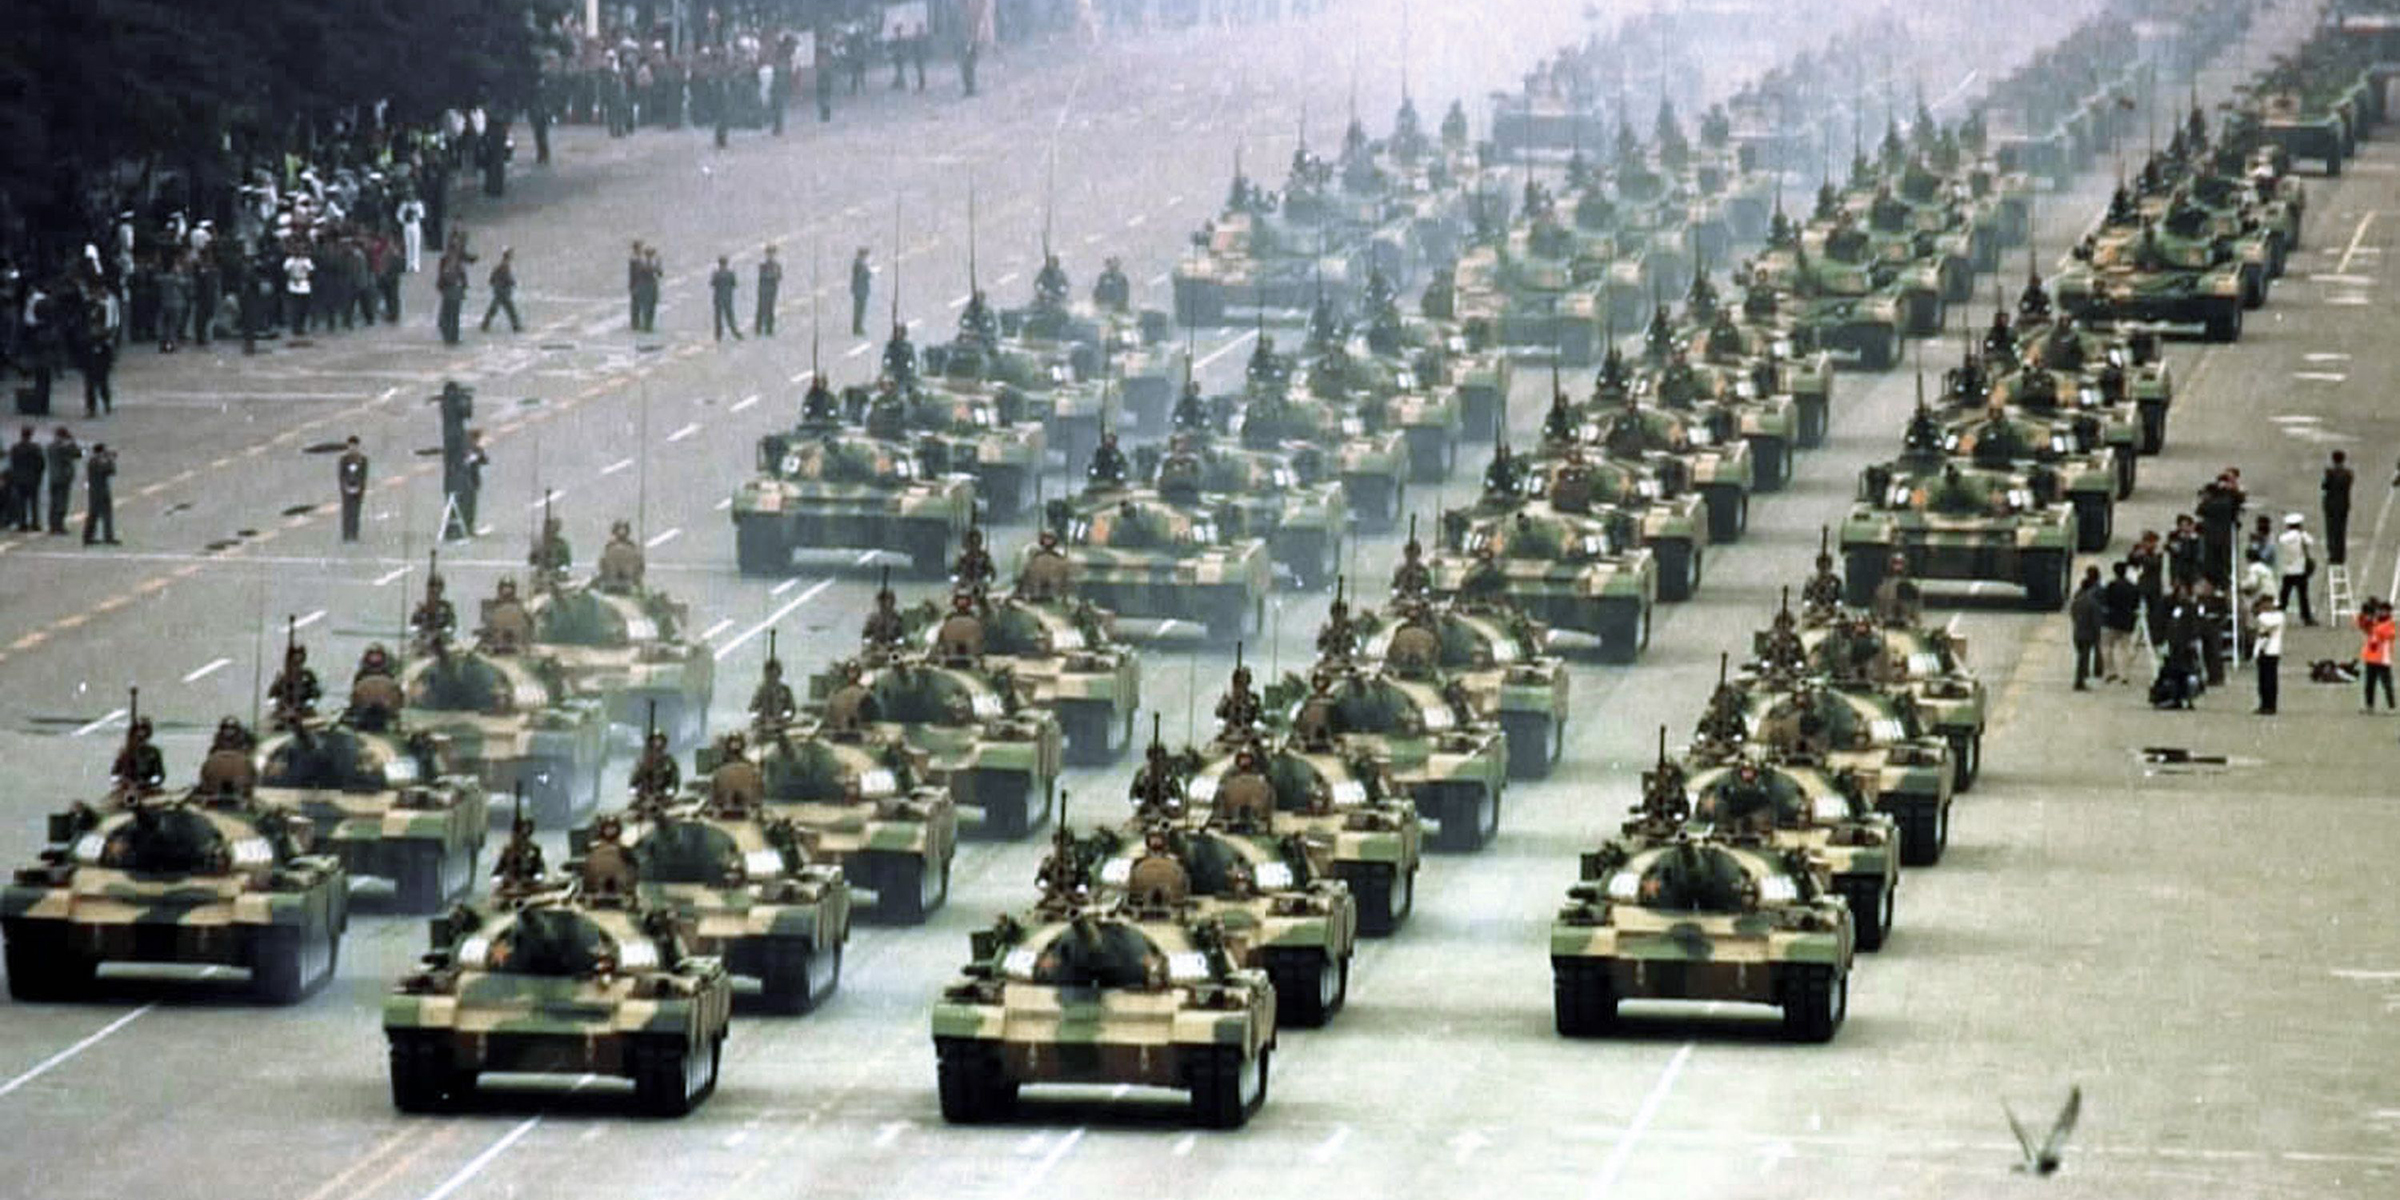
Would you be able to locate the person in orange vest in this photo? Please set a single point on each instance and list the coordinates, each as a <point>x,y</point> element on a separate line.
<point>2375,622</point>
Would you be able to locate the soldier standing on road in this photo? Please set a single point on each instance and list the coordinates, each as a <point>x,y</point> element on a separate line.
<point>635,269</point>
<point>100,506</point>
<point>2335,488</point>
<point>350,473</point>
<point>2296,559</point>
<point>504,292</point>
<point>63,456</point>
<point>862,282</point>
<point>25,463</point>
<point>458,404</point>
<point>721,283</point>
<point>2089,616</point>
<point>2267,630</point>
<point>98,359</point>
<point>770,277</point>
<point>450,276</point>
<point>465,483</point>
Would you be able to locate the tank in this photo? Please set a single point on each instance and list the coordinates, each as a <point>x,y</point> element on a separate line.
<point>384,799</point>
<point>561,976</point>
<point>967,720</point>
<point>1408,716</point>
<point>1135,553</point>
<point>829,487</point>
<point>1388,394</point>
<point>510,721</point>
<point>993,434</point>
<point>1283,912</point>
<point>1999,438</point>
<point>202,878</point>
<point>1942,518</point>
<point>1327,441</point>
<point>1797,803</point>
<point>1055,387</point>
<point>1716,459</point>
<point>2189,279</point>
<point>1584,572</point>
<point>1828,304</point>
<point>629,646</point>
<point>1524,294</point>
<point>744,885</point>
<point>860,800</point>
<point>1064,656</point>
<point>1497,657</point>
<point>1731,344</point>
<point>1288,498</point>
<point>1140,990</point>
<point>2087,385</point>
<point>1246,259</point>
<point>1707,917</point>
<point>1927,661</point>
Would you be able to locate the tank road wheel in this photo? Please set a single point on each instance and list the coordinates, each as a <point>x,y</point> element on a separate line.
<point>1582,996</point>
<point>2095,522</point>
<point>799,975</point>
<point>1772,460</point>
<point>908,887</point>
<point>1625,631</point>
<point>973,1081</point>
<point>287,962</point>
<point>1924,831</point>
<point>1008,804</point>
<point>423,1079</point>
<point>1678,568</point>
<point>1966,759</point>
<point>1815,998</point>
<point>2046,579</point>
<point>2154,426</point>
<point>1535,741</point>
<point>41,965</point>
<point>1096,736</point>
<point>1385,896</point>
<point>1228,1087</point>
<point>2224,324</point>
<point>1870,908</point>
<point>1310,986</point>
<point>761,546</point>
<point>1467,817</point>
<point>666,1076</point>
<point>1728,511</point>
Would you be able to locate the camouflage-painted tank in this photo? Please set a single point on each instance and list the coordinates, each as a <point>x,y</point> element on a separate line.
<point>1424,732</point>
<point>1803,805</point>
<point>1586,573</point>
<point>1282,911</point>
<point>1526,295</point>
<point>1443,358</point>
<point>1290,499</point>
<point>1496,655</point>
<point>1716,459</point>
<point>1324,440</point>
<point>2062,409</point>
<point>381,798</point>
<point>968,720</point>
<point>1245,259</point>
<point>1672,518</point>
<point>1766,420</point>
<point>1827,305</point>
<point>860,799</point>
<point>1141,991</point>
<point>1997,438</point>
<point>1389,395</point>
<point>991,434</point>
<point>744,886</point>
<point>559,976</point>
<point>510,720</point>
<point>1135,554</point>
<point>1848,724</point>
<point>1729,344</point>
<point>1702,918</point>
<point>203,878</point>
<point>1060,389</point>
<point>1065,656</point>
<point>1324,792</point>
<point>1948,519</point>
<point>1927,661</point>
<point>2157,275</point>
<point>830,487</point>
<point>1130,344</point>
<point>1927,243</point>
<point>2104,372</point>
<point>626,644</point>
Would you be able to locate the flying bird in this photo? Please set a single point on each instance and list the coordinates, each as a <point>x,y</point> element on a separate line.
<point>2044,1160</point>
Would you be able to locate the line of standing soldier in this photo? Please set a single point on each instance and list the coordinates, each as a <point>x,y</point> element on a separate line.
<point>463,461</point>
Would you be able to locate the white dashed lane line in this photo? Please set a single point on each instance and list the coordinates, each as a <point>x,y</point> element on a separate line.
<point>685,432</point>
<point>207,669</point>
<point>663,538</point>
<point>616,466</point>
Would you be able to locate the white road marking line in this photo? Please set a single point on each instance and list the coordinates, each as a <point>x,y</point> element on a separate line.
<point>723,624</point>
<point>855,351</point>
<point>1005,280</point>
<point>386,579</point>
<point>1137,220</point>
<point>1325,1150</point>
<point>724,504</point>
<point>1622,1152</point>
<point>2326,356</point>
<point>207,669</point>
<point>785,586</point>
<point>97,726</point>
<point>2320,376</point>
<point>1033,1178</point>
<point>2364,976</point>
<point>662,539</point>
<point>961,301</point>
<point>550,494</point>
<point>309,620</point>
<point>1172,201</point>
<point>2348,300</point>
<point>616,466</point>
<point>2357,236</point>
<point>889,1132</point>
<point>816,589</point>
<point>43,1067</point>
<point>1183,1145</point>
<point>752,398</point>
<point>476,1164</point>
<point>685,432</point>
<point>1247,337</point>
<point>2344,280</point>
<point>865,557</point>
<point>1091,239</point>
<point>1161,277</point>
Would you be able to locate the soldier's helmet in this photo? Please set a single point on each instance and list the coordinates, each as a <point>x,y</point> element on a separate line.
<point>508,588</point>
<point>375,660</point>
<point>657,742</point>
<point>621,530</point>
<point>139,731</point>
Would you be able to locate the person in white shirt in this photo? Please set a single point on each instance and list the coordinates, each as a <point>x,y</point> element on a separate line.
<point>411,215</point>
<point>297,266</point>
<point>2266,626</point>
<point>2296,557</point>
